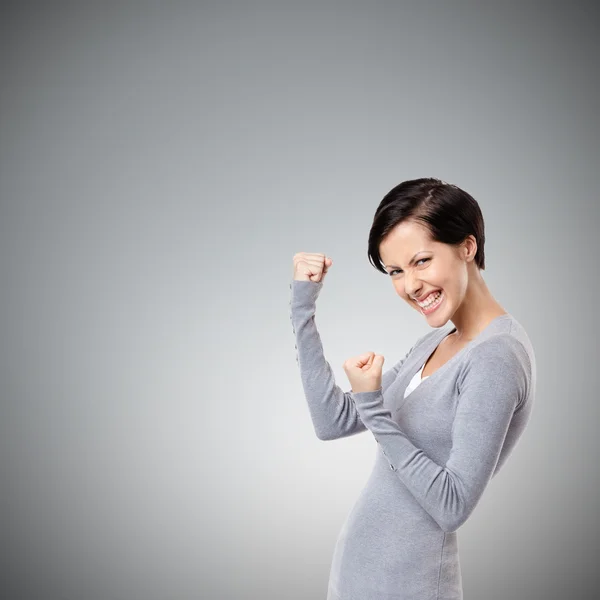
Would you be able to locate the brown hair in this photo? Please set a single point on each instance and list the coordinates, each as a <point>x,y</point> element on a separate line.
<point>449,213</point>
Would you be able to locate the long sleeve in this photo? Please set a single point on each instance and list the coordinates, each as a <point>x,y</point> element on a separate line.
<point>333,412</point>
<point>491,387</point>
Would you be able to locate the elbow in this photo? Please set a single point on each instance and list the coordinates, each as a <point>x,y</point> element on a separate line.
<point>449,525</point>
<point>455,504</point>
<point>450,521</point>
<point>330,432</point>
<point>325,435</point>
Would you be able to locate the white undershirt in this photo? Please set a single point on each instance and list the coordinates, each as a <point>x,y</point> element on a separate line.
<point>415,381</point>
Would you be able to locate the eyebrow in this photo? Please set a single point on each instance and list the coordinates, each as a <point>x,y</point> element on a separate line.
<point>412,260</point>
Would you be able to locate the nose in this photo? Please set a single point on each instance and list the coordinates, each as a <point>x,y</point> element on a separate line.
<point>412,286</point>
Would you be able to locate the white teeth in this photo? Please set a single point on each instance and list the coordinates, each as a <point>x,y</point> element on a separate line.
<point>431,299</point>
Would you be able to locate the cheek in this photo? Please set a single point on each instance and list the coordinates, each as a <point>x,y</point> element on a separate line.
<point>399,287</point>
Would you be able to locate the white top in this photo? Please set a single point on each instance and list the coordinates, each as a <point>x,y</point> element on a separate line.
<point>415,381</point>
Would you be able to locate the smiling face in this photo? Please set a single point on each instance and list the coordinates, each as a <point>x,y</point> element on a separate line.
<point>417,266</point>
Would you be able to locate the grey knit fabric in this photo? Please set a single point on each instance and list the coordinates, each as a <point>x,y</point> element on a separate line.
<point>437,449</point>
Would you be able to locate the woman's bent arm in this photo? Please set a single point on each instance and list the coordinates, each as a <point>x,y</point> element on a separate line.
<point>332,410</point>
<point>494,385</point>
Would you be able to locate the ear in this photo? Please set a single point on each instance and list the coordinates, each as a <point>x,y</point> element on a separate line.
<point>469,248</point>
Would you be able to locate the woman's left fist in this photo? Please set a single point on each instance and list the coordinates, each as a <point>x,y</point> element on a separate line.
<point>364,372</point>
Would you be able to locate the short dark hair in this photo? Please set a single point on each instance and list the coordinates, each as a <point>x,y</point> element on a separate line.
<point>449,213</point>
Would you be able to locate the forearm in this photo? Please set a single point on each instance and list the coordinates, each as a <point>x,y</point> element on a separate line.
<point>332,410</point>
<point>437,490</point>
<point>493,383</point>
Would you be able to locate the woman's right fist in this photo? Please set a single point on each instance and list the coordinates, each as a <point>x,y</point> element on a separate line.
<point>311,266</point>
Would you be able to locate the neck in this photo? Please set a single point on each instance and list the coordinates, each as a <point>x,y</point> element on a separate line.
<point>477,309</point>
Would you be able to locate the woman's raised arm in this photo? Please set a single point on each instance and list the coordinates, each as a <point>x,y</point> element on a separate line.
<point>332,410</point>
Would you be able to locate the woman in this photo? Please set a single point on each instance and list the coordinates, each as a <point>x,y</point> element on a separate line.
<point>445,417</point>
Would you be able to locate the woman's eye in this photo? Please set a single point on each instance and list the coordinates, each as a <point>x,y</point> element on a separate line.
<point>400,270</point>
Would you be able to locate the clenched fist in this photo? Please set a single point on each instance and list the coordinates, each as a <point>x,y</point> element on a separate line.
<point>310,266</point>
<point>364,372</point>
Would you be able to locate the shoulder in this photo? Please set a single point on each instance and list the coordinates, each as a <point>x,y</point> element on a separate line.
<point>500,360</point>
<point>501,342</point>
<point>503,348</point>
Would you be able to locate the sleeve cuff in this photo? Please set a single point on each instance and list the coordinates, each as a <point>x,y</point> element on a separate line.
<point>368,399</point>
<point>304,293</point>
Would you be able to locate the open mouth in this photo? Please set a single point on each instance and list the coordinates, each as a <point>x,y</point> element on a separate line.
<point>433,305</point>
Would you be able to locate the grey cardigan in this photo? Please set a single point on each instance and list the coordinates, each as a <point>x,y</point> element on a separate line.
<point>437,450</point>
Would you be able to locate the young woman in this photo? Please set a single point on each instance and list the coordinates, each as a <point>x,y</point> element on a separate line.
<point>445,417</point>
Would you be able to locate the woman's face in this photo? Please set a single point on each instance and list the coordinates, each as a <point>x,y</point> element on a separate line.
<point>418,266</point>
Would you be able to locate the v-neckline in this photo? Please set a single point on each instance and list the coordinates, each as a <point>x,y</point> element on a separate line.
<point>438,341</point>
<point>432,352</point>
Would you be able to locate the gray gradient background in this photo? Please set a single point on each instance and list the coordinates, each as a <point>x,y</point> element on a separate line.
<point>160,164</point>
